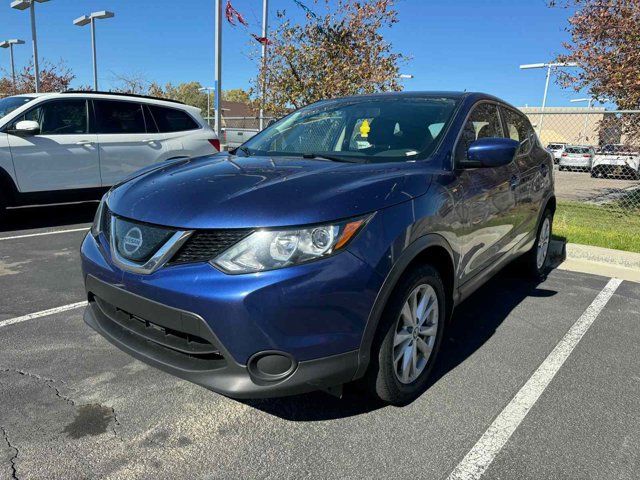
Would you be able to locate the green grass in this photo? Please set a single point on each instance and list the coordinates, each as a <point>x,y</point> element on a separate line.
<point>600,226</point>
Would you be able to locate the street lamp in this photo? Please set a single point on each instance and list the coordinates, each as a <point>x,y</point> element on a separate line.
<point>208,90</point>
<point>218,67</point>
<point>263,87</point>
<point>548,66</point>
<point>91,19</point>
<point>30,4</point>
<point>9,44</point>
<point>405,75</point>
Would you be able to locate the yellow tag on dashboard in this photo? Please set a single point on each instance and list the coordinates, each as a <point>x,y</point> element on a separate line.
<point>365,129</point>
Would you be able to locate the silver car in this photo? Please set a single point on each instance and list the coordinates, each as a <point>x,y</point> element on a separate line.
<point>577,157</point>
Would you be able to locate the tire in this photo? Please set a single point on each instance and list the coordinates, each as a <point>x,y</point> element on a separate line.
<point>385,379</point>
<point>532,265</point>
<point>3,209</point>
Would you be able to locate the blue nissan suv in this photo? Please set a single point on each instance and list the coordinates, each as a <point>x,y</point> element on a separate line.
<point>330,248</point>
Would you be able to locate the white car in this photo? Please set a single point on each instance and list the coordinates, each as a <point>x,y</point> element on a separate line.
<point>617,161</point>
<point>577,157</point>
<point>557,149</point>
<point>70,146</point>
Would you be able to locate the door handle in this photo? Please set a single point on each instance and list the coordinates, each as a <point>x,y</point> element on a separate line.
<point>84,142</point>
<point>544,169</point>
<point>514,182</point>
<point>149,140</point>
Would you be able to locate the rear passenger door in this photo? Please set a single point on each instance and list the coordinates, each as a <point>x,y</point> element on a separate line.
<point>128,139</point>
<point>532,163</point>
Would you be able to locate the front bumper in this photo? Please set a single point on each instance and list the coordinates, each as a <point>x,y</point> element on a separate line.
<point>208,327</point>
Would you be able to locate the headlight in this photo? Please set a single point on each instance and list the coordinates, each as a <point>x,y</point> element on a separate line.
<point>96,228</point>
<point>271,249</point>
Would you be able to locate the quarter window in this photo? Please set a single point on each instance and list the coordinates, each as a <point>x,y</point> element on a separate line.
<point>119,117</point>
<point>484,122</point>
<point>172,120</point>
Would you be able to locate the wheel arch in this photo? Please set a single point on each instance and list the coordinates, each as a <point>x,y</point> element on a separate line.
<point>430,249</point>
<point>7,187</point>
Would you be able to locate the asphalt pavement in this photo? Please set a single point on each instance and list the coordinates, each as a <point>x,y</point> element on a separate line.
<point>73,406</point>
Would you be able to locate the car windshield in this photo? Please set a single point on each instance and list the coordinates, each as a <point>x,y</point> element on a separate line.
<point>577,150</point>
<point>368,130</point>
<point>9,104</point>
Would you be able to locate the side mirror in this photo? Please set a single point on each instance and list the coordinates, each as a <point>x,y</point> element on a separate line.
<point>491,152</point>
<point>26,127</point>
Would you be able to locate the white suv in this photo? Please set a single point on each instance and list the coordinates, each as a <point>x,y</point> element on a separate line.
<point>60,147</point>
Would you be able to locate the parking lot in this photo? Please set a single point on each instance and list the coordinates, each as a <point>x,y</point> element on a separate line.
<point>73,406</point>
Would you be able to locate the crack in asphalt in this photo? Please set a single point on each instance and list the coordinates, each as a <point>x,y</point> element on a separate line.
<point>49,383</point>
<point>14,472</point>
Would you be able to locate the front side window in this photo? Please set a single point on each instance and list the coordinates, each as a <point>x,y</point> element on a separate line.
<point>374,130</point>
<point>483,122</point>
<point>119,117</point>
<point>172,120</point>
<point>60,117</point>
<point>520,130</point>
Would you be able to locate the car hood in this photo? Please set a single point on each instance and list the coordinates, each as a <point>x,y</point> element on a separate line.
<point>225,191</point>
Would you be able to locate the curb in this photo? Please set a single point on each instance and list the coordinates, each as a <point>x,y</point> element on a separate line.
<point>595,260</point>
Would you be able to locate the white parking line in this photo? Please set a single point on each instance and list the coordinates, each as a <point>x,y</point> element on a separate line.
<point>476,462</point>
<point>43,313</point>
<point>53,232</point>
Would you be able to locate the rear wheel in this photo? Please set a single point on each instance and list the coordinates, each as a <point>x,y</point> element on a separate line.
<point>408,338</point>
<point>536,260</point>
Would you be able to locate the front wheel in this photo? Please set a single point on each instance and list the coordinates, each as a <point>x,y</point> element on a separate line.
<point>408,338</point>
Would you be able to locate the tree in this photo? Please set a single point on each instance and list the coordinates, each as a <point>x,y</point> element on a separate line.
<point>53,78</point>
<point>236,95</point>
<point>342,52</point>
<point>605,42</point>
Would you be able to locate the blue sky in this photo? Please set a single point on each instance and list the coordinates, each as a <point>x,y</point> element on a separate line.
<point>452,45</point>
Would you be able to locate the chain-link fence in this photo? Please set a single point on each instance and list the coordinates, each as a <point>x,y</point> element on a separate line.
<point>597,155</point>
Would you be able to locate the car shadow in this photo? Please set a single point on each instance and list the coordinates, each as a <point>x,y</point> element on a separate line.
<point>27,218</point>
<point>465,334</point>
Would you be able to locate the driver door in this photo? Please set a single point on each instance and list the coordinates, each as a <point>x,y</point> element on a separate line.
<point>487,200</point>
<point>63,155</point>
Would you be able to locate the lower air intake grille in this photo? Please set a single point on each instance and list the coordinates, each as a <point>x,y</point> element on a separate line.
<point>205,245</point>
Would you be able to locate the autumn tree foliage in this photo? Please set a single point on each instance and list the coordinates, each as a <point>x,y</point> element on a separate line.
<point>605,42</point>
<point>53,78</point>
<point>339,49</point>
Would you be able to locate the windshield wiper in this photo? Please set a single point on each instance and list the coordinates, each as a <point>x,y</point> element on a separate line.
<point>330,157</point>
<point>244,150</point>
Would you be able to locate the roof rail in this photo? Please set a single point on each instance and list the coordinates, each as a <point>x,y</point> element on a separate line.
<point>121,94</point>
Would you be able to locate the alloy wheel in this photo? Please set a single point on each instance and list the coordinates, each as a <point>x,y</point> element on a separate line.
<point>415,333</point>
<point>543,243</point>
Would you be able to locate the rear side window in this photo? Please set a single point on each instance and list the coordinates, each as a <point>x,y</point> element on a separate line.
<point>520,130</point>
<point>119,117</point>
<point>483,122</point>
<point>172,120</point>
<point>59,117</point>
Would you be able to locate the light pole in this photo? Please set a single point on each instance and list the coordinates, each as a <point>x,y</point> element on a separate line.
<point>405,75</point>
<point>218,67</point>
<point>91,19</point>
<point>548,66</point>
<point>208,90</point>
<point>9,44</point>
<point>31,5</point>
<point>263,86</point>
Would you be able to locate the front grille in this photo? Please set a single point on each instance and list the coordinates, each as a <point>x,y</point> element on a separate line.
<point>205,245</point>
<point>182,344</point>
<point>136,241</point>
